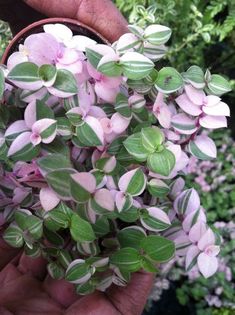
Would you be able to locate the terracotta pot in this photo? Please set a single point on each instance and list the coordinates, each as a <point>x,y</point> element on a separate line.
<point>37,27</point>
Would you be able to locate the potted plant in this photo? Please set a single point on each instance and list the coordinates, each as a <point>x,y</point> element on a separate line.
<point>94,143</point>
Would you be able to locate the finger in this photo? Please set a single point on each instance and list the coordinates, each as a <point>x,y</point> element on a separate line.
<point>102,15</point>
<point>61,291</point>
<point>9,273</point>
<point>93,304</point>
<point>4,311</point>
<point>132,298</point>
<point>33,266</point>
<point>7,253</point>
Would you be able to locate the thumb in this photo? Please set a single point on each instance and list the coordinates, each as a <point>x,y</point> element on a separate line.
<point>102,15</point>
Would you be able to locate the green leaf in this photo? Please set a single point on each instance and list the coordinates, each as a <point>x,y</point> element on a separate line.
<point>161,162</point>
<point>169,80</point>
<point>34,226</point>
<point>137,183</point>
<point>152,138</point>
<point>158,188</point>
<point>24,72</point>
<point>53,238</point>
<point>122,106</point>
<point>81,230</point>
<point>64,258</point>
<point>195,76</point>
<point>134,146</point>
<point>13,236</point>
<point>59,180</point>
<point>131,236</point>
<point>158,248</point>
<point>56,220</point>
<point>43,111</point>
<point>65,82</point>
<point>135,66</point>
<point>85,288</point>
<point>47,73</point>
<point>218,85</point>
<point>147,265</point>
<point>127,259</point>
<point>2,83</point>
<point>93,56</point>
<point>129,215</point>
<point>87,135</point>
<point>78,272</point>
<point>116,145</point>
<point>157,34</point>
<point>109,66</point>
<point>154,223</point>
<point>101,227</point>
<point>53,162</point>
<point>55,271</point>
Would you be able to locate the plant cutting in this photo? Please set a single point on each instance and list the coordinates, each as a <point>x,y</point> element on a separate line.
<point>94,144</point>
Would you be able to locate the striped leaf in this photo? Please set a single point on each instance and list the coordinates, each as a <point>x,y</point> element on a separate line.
<point>22,148</point>
<point>195,76</point>
<point>161,163</point>
<point>55,271</point>
<point>183,124</point>
<point>90,132</point>
<point>37,110</point>
<point>133,182</point>
<point>128,42</point>
<point>53,162</point>
<point>127,259</point>
<point>78,272</point>
<point>59,181</point>
<point>158,188</point>
<point>134,146</point>
<point>218,85</point>
<point>136,102</point>
<point>109,66</point>
<point>158,248</point>
<point>131,236</point>
<point>13,236</point>
<point>88,248</point>
<point>65,84</point>
<point>102,201</point>
<point>122,106</point>
<point>157,34</point>
<point>187,202</point>
<point>81,230</point>
<point>203,148</point>
<point>25,76</point>
<point>94,53</point>
<point>154,52</point>
<point>135,66</point>
<point>82,185</point>
<point>168,80</point>
<point>155,219</point>
<point>152,138</point>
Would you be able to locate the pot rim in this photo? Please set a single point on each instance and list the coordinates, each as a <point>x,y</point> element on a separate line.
<point>29,29</point>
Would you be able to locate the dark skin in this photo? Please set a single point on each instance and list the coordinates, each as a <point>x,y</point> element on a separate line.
<point>26,289</point>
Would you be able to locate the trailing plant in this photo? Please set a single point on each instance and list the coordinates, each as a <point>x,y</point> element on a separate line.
<point>93,142</point>
<point>5,36</point>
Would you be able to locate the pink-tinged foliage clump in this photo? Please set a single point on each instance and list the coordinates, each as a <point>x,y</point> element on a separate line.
<point>93,146</point>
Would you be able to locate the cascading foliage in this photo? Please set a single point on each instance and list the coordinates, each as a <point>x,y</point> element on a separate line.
<point>94,141</point>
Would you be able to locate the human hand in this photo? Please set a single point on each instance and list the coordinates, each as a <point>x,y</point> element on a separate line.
<point>26,290</point>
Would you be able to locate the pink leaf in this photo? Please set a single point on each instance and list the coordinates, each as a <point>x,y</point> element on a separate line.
<point>30,115</point>
<point>183,124</point>
<point>206,145</point>
<point>192,253</point>
<point>207,265</point>
<point>213,122</point>
<point>16,127</point>
<point>125,179</point>
<point>158,214</point>
<point>220,109</point>
<point>212,250</point>
<point>208,238</point>
<point>119,123</point>
<point>85,180</point>
<point>197,231</point>
<point>104,199</point>
<point>96,127</point>
<point>19,143</point>
<point>211,100</point>
<point>187,106</point>
<point>48,198</point>
<point>16,58</point>
<point>196,96</point>
<point>190,218</point>
<point>108,95</point>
